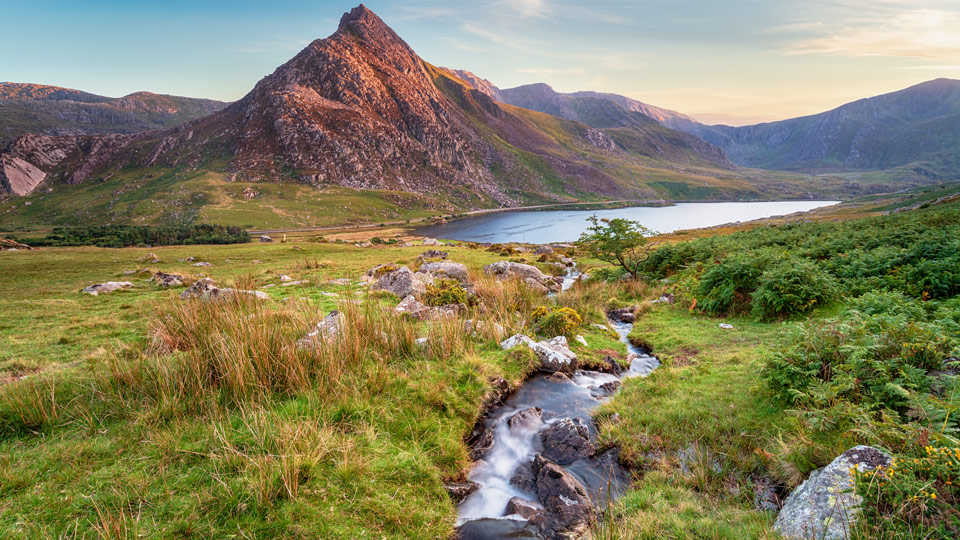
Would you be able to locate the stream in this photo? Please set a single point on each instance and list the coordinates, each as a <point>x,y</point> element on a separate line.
<point>505,471</point>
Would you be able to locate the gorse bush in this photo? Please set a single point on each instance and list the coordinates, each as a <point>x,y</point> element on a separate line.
<point>792,287</point>
<point>445,291</point>
<point>557,321</point>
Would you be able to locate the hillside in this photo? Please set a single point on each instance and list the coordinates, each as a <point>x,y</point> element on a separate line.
<point>917,128</point>
<point>52,110</point>
<point>361,116</point>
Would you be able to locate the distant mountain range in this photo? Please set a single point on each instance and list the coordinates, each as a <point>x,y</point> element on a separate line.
<point>357,127</point>
<point>917,128</point>
<point>51,110</point>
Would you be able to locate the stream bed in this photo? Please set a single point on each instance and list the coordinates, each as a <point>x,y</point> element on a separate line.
<point>506,504</point>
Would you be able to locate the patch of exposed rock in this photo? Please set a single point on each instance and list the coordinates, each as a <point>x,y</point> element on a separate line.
<point>566,441</point>
<point>327,329</point>
<point>108,287</point>
<point>528,274</point>
<point>825,506</point>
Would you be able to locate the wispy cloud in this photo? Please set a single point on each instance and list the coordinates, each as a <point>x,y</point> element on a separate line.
<point>525,8</point>
<point>924,33</point>
<point>543,71</point>
<point>955,67</point>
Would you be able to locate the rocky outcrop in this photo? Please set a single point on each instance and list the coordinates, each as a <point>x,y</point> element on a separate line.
<point>198,288</point>
<point>825,506</point>
<point>566,441</point>
<point>167,280</point>
<point>207,289</point>
<point>530,275</point>
<point>108,287</point>
<point>402,282</point>
<point>18,177</point>
<point>327,329</point>
<point>458,491</point>
<point>554,354</point>
<point>449,270</point>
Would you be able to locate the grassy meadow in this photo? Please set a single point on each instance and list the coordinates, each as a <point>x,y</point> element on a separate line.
<point>139,415</point>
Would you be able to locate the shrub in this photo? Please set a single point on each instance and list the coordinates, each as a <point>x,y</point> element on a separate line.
<point>560,321</point>
<point>445,291</point>
<point>141,235</point>
<point>725,287</point>
<point>792,287</point>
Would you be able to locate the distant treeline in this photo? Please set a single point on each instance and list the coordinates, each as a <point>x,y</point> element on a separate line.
<point>141,235</point>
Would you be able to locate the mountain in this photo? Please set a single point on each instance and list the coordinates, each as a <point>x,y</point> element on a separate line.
<point>357,127</point>
<point>916,128</point>
<point>51,110</point>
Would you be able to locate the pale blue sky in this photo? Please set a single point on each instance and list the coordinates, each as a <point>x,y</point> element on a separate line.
<point>735,61</point>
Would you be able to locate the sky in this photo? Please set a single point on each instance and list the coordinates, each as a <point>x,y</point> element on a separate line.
<point>720,61</point>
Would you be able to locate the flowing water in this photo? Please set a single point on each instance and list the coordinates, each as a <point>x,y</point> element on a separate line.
<point>481,515</point>
<point>548,226</point>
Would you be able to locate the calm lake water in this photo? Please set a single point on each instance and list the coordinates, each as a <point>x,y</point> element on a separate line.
<point>543,227</point>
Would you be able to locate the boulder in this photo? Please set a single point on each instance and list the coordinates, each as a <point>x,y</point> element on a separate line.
<point>167,280</point>
<point>665,299</point>
<point>401,282</point>
<point>543,250</point>
<point>264,238</point>
<point>411,306</point>
<point>432,242</point>
<point>149,258</point>
<point>530,275</point>
<point>227,293</point>
<point>459,491</point>
<point>108,287</point>
<point>566,441</point>
<point>525,418</point>
<point>434,254</point>
<point>562,495</point>
<point>516,339</point>
<point>198,288</point>
<point>328,328</point>
<point>524,508</point>
<point>449,270</point>
<point>825,506</point>
<point>554,355</point>
<point>567,261</point>
<point>284,278</point>
<point>202,264</point>
<point>581,340</point>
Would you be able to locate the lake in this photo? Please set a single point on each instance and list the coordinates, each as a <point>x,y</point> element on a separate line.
<point>550,226</point>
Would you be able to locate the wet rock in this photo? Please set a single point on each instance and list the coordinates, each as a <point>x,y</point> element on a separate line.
<point>167,280</point>
<point>612,366</point>
<point>198,287</point>
<point>610,387</point>
<point>108,287</point>
<point>449,270</point>
<point>328,328</point>
<point>826,506</point>
<point>525,418</point>
<point>566,441</point>
<point>627,314</point>
<point>557,376</point>
<point>524,479</point>
<point>264,238</point>
<point>524,508</point>
<point>564,497</point>
<point>400,282</point>
<point>459,491</point>
<point>555,355</point>
<point>481,444</point>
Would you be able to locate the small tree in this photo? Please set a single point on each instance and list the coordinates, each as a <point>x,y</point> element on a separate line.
<point>617,241</point>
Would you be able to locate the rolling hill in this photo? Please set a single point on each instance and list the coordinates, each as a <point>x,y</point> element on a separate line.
<point>52,110</point>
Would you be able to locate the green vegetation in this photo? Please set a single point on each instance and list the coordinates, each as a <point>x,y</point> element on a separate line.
<point>117,236</point>
<point>445,291</point>
<point>138,414</point>
<point>617,241</point>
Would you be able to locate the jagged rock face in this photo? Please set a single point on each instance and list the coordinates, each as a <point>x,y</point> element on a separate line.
<point>18,177</point>
<point>356,109</point>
